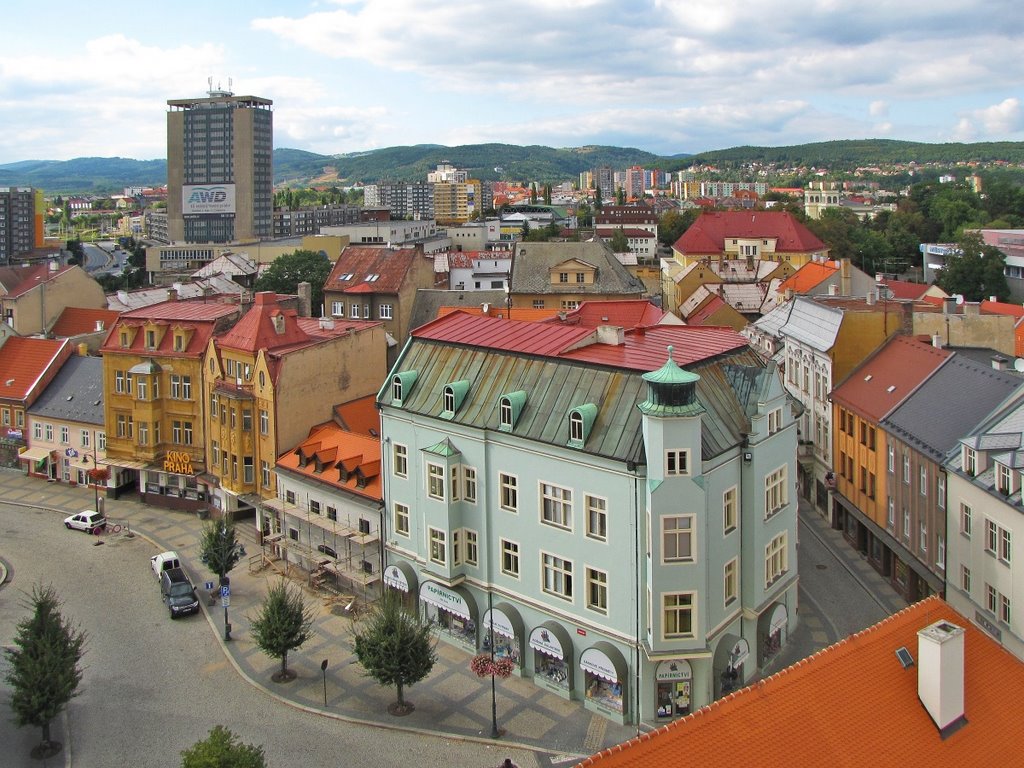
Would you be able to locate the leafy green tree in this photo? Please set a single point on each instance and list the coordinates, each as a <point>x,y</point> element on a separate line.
<point>673,224</point>
<point>290,269</point>
<point>219,548</point>
<point>43,666</point>
<point>77,252</point>
<point>283,624</point>
<point>222,749</point>
<point>619,241</point>
<point>547,194</point>
<point>395,647</point>
<point>584,215</point>
<point>598,202</point>
<point>975,271</point>
<point>620,196</point>
<point>533,192</point>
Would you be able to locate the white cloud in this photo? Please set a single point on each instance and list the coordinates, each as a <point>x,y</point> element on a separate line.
<point>878,109</point>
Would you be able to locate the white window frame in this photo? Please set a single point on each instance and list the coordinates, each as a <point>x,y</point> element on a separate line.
<point>401,520</point>
<point>597,517</point>
<point>556,576</point>
<point>678,533</point>
<point>510,562</point>
<point>508,492</point>
<point>677,462</point>
<point>730,582</point>
<point>730,509</point>
<point>435,477</point>
<point>400,460</point>
<point>596,597</point>
<point>776,559</point>
<point>672,605</point>
<point>776,490</point>
<point>469,484</point>
<point>555,505</point>
<point>437,546</point>
<point>966,519</point>
<point>472,547</point>
<point>774,421</point>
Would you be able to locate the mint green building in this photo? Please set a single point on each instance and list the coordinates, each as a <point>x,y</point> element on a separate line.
<point>616,509</point>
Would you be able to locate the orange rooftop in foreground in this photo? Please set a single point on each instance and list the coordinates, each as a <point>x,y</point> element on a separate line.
<point>857,704</point>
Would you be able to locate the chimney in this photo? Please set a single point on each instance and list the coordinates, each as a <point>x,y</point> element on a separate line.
<point>999,362</point>
<point>993,299</point>
<point>936,341</point>
<point>940,676</point>
<point>305,291</point>
<point>54,266</point>
<point>949,305</point>
<point>100,325</point>
<point>83,349</point>
<point>485,309</point>
<point>265,297</point>
<point>845,277</point>
<point>972,307</point>
<point>872,297</point>
<point>172,294</point>
<point>611,334</point>
<point>833,290</point>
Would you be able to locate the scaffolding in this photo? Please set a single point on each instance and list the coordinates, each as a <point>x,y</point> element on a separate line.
<point>335,555</point>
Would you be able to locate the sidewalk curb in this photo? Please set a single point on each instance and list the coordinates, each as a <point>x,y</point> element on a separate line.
<point>282,699</point>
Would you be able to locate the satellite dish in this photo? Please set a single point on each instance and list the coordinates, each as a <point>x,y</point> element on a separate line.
<point>1018,365</point>
<point>959,298</point>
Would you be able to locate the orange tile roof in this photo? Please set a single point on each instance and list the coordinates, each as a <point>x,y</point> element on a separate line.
<point>334,447</point>
<point>75,321</point>
<point>903,289</point>
<point>360,416</point>
<point>810,275</point>
<point>852,704</point>
<point>255,330</point>
<point>23,361</point>
<point>390,265</point>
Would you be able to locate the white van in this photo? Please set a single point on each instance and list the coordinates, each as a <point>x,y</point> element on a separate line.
<point>164,562</point>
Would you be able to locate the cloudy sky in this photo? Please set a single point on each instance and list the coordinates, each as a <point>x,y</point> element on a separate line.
<point>668,76</point>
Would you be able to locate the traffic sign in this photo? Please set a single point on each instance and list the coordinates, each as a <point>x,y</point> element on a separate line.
<point>225,591</point>
<point>225,601</point>
<point>209,585</point>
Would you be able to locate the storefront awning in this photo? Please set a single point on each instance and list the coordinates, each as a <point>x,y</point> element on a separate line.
<point>505,620</point>
<point>446,599</point>
<point>552,640</point>
<point>779,619</point>
<point>35,454</point>
<point>401,576</point>
<point>129,464</point>
<point>605,661</point>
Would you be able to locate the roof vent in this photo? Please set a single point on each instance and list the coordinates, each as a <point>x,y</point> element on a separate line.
<point>940,677</point>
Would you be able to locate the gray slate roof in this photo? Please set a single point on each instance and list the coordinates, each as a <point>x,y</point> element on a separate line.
<point>950,404</point>
<point>556,386</point>
<point>533,262</point>
<point>429,300</point>
<point>75,394</point>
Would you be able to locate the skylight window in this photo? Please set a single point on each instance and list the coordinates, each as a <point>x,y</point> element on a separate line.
<point>346,276</point>
<point>372,278</point>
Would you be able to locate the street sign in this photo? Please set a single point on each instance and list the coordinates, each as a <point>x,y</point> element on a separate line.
<point>225,601</point>
<point>225,591</point>
<point>208,586</point>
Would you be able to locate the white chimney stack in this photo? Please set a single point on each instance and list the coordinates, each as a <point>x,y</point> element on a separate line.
<point>940,676</point>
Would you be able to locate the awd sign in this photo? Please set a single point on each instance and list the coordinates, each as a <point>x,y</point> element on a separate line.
<point>208,198</point>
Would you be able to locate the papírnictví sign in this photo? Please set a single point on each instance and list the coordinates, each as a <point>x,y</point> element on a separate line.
<point>207,198</point>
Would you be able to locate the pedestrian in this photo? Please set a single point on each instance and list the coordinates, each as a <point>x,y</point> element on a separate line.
<point>508,763</point>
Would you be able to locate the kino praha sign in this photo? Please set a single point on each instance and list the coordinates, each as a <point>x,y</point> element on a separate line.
<point>207,198</point>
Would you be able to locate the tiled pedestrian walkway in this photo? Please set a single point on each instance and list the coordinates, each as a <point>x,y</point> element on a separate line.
<point>451,702</point>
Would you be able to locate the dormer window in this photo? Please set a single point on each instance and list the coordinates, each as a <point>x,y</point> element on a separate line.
<point>581,420</point>
<point>124,339</point>
<point>509,408</point>
<point>179,342</point>
<point>401,386</point>
<point>970,461</point>
<point>1004,479</point>
<point>150,339</point>
<point>452,397</point>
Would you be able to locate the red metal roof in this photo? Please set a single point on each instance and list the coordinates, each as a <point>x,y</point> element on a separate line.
<point>182,310</point>
<point>902,289</point>
<point>852,704</point>
<point>75,321</point>
<point>23,361</point>
<point>644,349</point>
<point>889,376</point>
<point>625,313</point>
<point>711,229</point>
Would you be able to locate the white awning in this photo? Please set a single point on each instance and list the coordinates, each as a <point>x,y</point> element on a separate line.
<point>443,598</point>
<point>502,625</point>
<point>35,454</point>
<point>779,619</point>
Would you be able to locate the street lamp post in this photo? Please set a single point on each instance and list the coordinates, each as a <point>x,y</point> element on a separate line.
<point>495,733</point>
<point>323,668</point>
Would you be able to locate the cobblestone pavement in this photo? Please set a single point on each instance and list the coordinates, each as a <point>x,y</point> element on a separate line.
<point>452,701</point>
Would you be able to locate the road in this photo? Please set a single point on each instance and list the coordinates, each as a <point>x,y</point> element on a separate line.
<point>152,686</point>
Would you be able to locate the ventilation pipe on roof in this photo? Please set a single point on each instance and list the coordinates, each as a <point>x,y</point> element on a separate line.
<point>936,341</point>
<point>999,362</point>
<point>833,290</point>
<point>940,676</point>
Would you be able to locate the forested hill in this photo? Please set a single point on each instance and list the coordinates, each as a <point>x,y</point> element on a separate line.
<point>848,155</point>
<point>504,162</point>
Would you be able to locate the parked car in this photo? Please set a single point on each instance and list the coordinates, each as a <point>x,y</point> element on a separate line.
<point>178,593</point>
<point>87,520</point>
<point>164,562</point>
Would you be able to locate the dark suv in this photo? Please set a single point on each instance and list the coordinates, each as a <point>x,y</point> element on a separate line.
<point>178,593</point>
